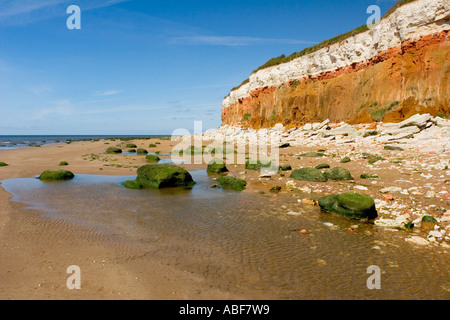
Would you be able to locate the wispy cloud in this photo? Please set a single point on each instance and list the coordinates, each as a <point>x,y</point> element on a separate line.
<point>107,93</point>
<point>61,108</point>
<point>23,12</point>
<point>231,40</point>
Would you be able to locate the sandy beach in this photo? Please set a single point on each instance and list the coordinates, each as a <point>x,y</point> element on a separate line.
<point>36,250</point>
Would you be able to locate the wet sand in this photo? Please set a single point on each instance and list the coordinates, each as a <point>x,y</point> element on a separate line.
<point>110,268</point>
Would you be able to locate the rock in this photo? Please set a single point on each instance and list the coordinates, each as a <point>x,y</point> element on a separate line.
<point>63,163</point>
<point>427,223</point>
<point>323,166</point>
<point>131,145</point>
<point>152,158</point>
<point>113,150</point>
<point>401,133</point>
<point>141,151</point>
<point>131,184</point>
<point>312,154</point>
<point>345,160</point>
<point>389,223</point>
<point>418,120</point>
<point>393,148</point>
<point>435,233</point>
<point>2,164</point>
<point>163,176</point>
<point>308,174</point>
<point>369,176</point>
<point>388,197</point>
<point>290,185</point>
<point>257,165</point>
<point>54,175</point>
<point>284,145</point>
<point>338,174</point>
<point>152,145</point>
<point>391,189</point>
<point>352,205</point>
<point>286,167</point>
<point>275,189</point>
<point>232,183</point>
<point>442,123</point>
<point>361,188</point>
<point>216,167</point>
<point>345,130</point>
<point>279,127</point>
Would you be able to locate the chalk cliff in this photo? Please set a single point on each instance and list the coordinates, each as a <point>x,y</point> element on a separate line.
<point>398,68</point>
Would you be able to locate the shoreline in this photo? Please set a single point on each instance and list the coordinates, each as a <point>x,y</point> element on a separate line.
<point>22,258</point>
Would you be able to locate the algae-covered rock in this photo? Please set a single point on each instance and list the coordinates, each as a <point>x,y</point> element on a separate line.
<point>257,165</point>
<point>232,183</point>
<point>152,158</point>
<point>369,176</point>
<point>338,174</point>
<point>352,205</point>
<point>130,184</point>
<point>393,148</point>
<point>55,175</point>
<point>2,164</point>
<point>113,150</point>
<point>63,163</point>
<point>427,223</point>
<point>141,151</point>
<point>323,166</point>
<point>163,176</point>
<point>152,145</point>
<point>131,145</point>
<point>308,174</point>
<point>216,167</point>
<point>286,167</point>
<point>345,160</point>
<point>312,154</point>
<point>192,150</point>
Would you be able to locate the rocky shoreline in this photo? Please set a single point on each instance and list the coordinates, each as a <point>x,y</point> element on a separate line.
<point>403,166</point>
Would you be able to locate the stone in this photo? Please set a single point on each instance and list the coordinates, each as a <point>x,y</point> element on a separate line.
<point>216,167</point>
<point>152,158</point>
<point>312,154</point>
<point>323,166</point>
<point>427,223</point>
<point>113,150</point>
<point>164,176</point>
<point>418,240</point>
<point>345,160</point>
<point>286,167</point>
<point>233,183</point>
<point>393,148</point>
<point>132,184</point>
<point>2,164</point>
<point>338,174</point>
<point>308,174</point>
<point>141,151</point>
<point>55,175</point>
<point>418,120</point>
<point>391,189</point>
<point>352,205</point>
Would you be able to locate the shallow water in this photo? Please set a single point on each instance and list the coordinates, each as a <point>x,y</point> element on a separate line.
<point>242,241</point>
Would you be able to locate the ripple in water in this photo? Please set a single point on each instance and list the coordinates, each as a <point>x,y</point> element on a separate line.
<point>239,241</point>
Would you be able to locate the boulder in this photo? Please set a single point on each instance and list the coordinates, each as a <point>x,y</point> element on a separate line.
<point>131,145</point>
<point>163,176</point>
<point>352,205</point>
<point>418,120</point>
<point>216,167</point>
<point>323,166</point>
<point>152,158</point>
<point>132,184</point>
<point>113,150</point>
<point>257,165</point>
<point>2,164</point>
<point>230,182</point>
<point>338,174</point>
<point>141,151</point>
<point>308,174</point>
<point>286,167</point>
<point>55,175</point>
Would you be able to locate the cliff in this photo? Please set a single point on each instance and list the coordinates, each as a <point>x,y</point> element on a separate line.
<point>396,69</point>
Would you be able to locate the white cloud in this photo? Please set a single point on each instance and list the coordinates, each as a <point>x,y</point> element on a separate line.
<point>61,108</point>
<point>107,93</point>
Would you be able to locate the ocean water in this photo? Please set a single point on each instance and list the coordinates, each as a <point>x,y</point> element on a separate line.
<point>21,141</point>
<point>239,242</point>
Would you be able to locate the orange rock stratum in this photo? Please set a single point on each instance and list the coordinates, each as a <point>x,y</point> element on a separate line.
<point>392,86</point>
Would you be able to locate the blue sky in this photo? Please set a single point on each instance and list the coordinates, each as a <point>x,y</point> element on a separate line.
<point>145,66</point>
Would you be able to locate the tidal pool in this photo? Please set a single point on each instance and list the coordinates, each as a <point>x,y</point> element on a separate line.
<point>243,241</point>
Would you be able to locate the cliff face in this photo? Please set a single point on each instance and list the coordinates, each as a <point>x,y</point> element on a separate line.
<point>398,68</point>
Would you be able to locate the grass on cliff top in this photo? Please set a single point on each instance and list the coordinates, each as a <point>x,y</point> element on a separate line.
<point>284,59</point>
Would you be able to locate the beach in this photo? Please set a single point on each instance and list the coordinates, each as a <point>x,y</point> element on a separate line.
<point>36,249</point>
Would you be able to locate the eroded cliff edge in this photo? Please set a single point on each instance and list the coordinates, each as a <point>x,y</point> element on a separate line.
<point>394,70</point>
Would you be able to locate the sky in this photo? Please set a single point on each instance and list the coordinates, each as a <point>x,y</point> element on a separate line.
<point>145,67</point>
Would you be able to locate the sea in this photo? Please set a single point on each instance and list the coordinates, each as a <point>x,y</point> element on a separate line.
<point>22,141</point>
